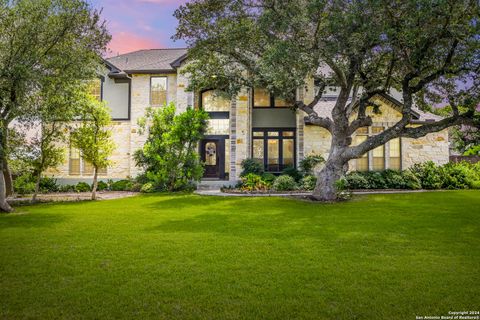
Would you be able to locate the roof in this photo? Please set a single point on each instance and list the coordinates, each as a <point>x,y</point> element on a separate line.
<point>324,109</point>
<point>149,61</point>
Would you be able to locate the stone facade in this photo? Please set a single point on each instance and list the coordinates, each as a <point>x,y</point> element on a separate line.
<point>308,139</point>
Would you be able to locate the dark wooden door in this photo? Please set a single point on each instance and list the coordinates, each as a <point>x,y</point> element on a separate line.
<point>213,157</point>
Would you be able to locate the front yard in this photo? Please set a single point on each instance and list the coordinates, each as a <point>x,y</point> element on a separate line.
<point>193,257</point>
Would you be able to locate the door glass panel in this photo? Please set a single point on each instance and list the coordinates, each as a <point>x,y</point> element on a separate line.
<point>211,154</point>
<point>288,152</point>
<point>287,133</point>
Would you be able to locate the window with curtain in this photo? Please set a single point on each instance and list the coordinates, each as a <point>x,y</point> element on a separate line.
<point>158,91</point>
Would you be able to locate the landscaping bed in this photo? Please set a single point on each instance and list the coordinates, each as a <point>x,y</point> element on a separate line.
<point>70,196</point>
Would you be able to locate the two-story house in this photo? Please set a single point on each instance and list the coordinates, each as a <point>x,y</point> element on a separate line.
<point>254,124</point>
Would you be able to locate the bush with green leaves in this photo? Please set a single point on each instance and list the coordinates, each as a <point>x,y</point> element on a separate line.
<point>459,175</point>
<point>411,180</point>
<point>429,174</point>
<point>292,172</point>
<point>356,180</point>
<point>170,156</point>
<point>308,182</point>
<point>147,188</point>
<point>82,187</point>
<point>284,183</point>
<point>253,182</point>
<point>24,184</point>
<point>309,163</point>
<point>254,166</point>
<point>121,185</point>
<point>66,188</point>
<point>268,178</point>
<point>102,186</point>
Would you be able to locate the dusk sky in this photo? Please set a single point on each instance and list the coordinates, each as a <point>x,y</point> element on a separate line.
<point>139,24</point>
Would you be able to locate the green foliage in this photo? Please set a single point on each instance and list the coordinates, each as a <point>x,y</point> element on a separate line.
<point>147,188</point>
<point>411,180</point>
<point>308,163</point>
<point>308,182</point>
<point>170,157</point>
<point>253,182</point>
<point>24,184</point>
<point>357,180</point>
<point>268,178</point>
<point>121,185</point>
<point>284,183</point>
<point>252,166</point>
<point>292,172</point>
<point>48,184</point>
<point>429,174</point>
<point>82,187</point>
<point>102,186</point>
<point>66,188</point>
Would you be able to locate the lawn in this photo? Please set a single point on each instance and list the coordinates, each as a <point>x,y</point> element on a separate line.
<point>193,257</point>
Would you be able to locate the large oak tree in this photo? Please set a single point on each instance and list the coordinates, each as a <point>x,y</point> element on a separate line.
<point>426,49</point>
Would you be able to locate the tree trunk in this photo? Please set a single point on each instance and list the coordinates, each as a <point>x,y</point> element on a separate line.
<point>4,206</point>
<point>95,183</point>
<point>37,187</point>
<point>7,174</point>
<point>326,189</point>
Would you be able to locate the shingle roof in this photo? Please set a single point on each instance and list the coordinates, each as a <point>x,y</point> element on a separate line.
<point>149,61</point>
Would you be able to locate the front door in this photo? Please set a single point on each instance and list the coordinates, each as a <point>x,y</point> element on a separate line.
<point>213,157</point>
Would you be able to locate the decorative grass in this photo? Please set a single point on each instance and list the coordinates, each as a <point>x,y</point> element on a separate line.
<point>192,257</point>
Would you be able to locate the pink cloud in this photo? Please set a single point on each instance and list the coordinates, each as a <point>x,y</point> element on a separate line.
<point>123,42</point>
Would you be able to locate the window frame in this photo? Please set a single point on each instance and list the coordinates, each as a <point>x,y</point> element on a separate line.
<point>81,166</point>
<point>166,90</point>
<point>272,102</point>
<point>215,115</point>
<point>280,137</point>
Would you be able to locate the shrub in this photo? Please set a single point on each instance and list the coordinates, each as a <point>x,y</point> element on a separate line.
<point>135,187</point>
<point>393,179</point>
<point>356,180</point>
<point>429,175</point>
<point>457,176</point>
<point>252,166</point>
<point>411,180</point>
<point>48,184</point>
<point>475,184</point>
<point>308,182</point>
<point>101,186</point>
<point>24,184</point>
<point>253,182</point>
<point>268,178</point>
<point>375,180</point>
<point>292,172</point>
<point>284,183</point>
<point>309,163</point>
<point>82,187</point>
<point>147,188</point>
<point>120,185</point>
<point>67,188</point>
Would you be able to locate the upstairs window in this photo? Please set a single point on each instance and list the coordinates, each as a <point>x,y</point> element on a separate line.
<point>262,98</point>
<point>95,88</point>
<point>217,104</point>
<point>158,91</point>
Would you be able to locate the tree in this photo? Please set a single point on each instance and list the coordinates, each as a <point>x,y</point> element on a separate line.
<point>424,49</point>
<point>170,154</point>
<point>42,40</point>
<point>93,137</point>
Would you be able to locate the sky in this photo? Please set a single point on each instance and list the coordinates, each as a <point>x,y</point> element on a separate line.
<point>139,24</point>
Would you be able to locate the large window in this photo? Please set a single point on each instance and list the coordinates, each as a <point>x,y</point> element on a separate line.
<point>378,155</point>
<point>263,99</point>
<point>158,91</point>
<point>79,166</point>
<point>217,104</point>
<point>275,148</point>
<point>95,88</point>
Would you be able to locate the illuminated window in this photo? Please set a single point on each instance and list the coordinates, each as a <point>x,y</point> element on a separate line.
<point>215,101</point>
<point>263,99</point>
<point>274,148</point>
<point>78,165</point>
<point>362,162</point>
<point>95,89</point>
<point>395,151</point>
<point>378,158</point>
<point>74,163</point>
<point>158,91</point>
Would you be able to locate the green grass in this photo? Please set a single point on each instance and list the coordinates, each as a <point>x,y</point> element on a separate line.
<point>192,257</point>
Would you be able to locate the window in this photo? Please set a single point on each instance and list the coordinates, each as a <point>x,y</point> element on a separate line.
<point>395,150</point>
<point>378,155</point>
<point>158,91</point>
<point>275,148</point>
<point>95,89</point>
<point>217,104</point>
<point>78,165</point>
<point>263,99</point>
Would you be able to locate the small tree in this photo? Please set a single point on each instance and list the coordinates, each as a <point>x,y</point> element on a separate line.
<point>92,137</point>
<point>170,156</point>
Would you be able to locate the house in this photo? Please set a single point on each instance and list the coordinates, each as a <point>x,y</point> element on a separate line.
<point>253,124</point>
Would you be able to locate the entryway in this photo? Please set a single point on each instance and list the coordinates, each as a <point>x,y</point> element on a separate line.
<point>212,152</point>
